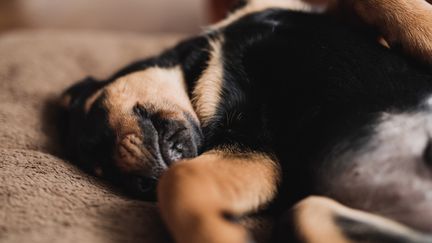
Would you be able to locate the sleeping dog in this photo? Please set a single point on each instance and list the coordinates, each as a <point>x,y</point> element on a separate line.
<point>274,104</point>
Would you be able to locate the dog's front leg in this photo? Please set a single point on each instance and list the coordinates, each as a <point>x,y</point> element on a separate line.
<point>405,24</point>
<point>198,197</point>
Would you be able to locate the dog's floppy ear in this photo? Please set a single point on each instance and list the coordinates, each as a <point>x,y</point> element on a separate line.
<point>322,220</point>
<point>79,92</point>
<point>69,111</point>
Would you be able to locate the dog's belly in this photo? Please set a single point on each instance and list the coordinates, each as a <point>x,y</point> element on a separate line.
<point>320,85</point>
<point>388,172</point>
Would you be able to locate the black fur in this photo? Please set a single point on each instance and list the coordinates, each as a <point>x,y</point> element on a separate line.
<point>294,85</point>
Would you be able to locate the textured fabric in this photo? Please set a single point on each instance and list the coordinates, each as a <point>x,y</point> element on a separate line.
<point>43,198</point>
<point>126,15</point>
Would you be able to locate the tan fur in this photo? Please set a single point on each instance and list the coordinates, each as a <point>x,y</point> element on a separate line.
<point>161,89</point>
<point>313,218</point>
<point>208,91</point>
<point>131,155</point>
<point>194,195</point>
<point>403,23</point>
<point>255,6</point>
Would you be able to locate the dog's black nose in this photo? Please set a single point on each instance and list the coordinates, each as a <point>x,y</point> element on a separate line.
<point>178,143</point>
<point>169,138</point>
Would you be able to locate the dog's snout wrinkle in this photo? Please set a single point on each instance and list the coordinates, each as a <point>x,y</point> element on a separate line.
<point>131,153</point>
<point>129,146</point>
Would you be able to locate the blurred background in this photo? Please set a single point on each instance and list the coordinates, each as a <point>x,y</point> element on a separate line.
<point>187,16</point>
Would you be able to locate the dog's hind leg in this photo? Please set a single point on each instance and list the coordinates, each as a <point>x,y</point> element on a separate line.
<point>199,198</point>
<point>405,24</point>
<point>322,220</point>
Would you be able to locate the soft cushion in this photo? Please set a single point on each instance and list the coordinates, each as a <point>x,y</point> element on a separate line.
<point>42,197</point>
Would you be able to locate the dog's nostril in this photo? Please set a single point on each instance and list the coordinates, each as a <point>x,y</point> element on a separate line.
<point>427,153</point>
<point>176,150</point>
<point>177,146</point>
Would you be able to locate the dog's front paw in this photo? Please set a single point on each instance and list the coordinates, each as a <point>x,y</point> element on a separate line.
<point>193,207</point>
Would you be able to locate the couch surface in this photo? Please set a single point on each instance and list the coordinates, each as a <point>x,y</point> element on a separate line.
<point>42,197</point>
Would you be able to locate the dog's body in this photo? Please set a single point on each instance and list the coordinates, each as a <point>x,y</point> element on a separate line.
<point>270,103</point>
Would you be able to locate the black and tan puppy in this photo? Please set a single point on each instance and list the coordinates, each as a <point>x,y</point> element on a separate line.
<point>274,104</point>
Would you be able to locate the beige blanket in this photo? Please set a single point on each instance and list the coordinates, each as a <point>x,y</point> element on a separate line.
<point>43,198</point>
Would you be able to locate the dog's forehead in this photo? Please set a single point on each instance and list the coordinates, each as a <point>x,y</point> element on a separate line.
<point>151,85</point>
<point>156,87</point>
<point>158,90</point>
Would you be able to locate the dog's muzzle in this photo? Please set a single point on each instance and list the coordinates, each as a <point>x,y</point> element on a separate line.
<point>162,142</point>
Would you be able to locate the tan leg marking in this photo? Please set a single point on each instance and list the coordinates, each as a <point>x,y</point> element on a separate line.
<point>315,221</point>
<point>404,23</point>
<point>195,195</point>
<point>313,218</point>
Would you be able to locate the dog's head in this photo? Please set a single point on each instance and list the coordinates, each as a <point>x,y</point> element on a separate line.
<point>132,128</point>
